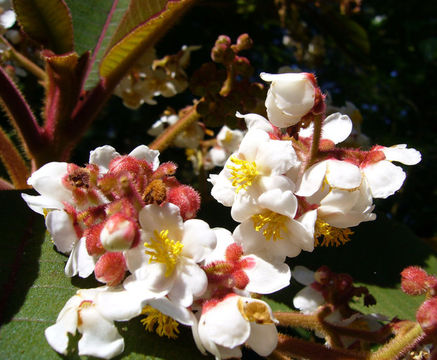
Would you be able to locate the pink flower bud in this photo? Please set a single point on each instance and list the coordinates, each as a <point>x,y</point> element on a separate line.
<point>186,198</point>
<point>427,316</point>
<point>234,253</point>
<point>92,240</point>
<point>413,280</point>
<point>118,233</point>
<point>110,268</point>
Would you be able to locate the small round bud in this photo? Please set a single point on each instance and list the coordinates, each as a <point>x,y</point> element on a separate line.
<point>244,42</point>
<point>413,281</point>
<point>110,268</point>
<point>92,240</point>
<point>323,275</point>
<point>234,253</point>
<point>186,198</point>
<point>427,316</point>
<point>118,233</point>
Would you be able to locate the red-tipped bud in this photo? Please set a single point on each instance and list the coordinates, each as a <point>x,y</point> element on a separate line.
<point>326,145</point>
<point>110,268</point>
<point>234,253</point>
<point>413,280</point>
<point>118,233</point>
<point>244,42</point>
<point>186,198</point>
<point>240,279</point>
<point>427,316</point>
<point>124,164</point>
<point>92,240</point>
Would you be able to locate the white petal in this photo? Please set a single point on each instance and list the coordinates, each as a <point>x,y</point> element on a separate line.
<point>102,156</point>
<point>303,275</point>
<point>401,154</point>
<point>179,313</point>
<point>118,304</point>
<point>384,178</point>
<point>224,239</point>
<point>80,262</point>
<point>251,143</point>
<point>224,325</point>
<point>342,175</point>
<point>60,226</point>
<point>41,202</point>
<point>338,200</point>
<point>191,281</point>
<point>336,127</point>
<point>308,300</point>
<point>56,336</point>
<point>222,191</point>
<point>255,121</point>
<point>7,19</point>
<point>263,338</point>
<point>99,336</point>
<point>312,179</point>
<point>142,152</point>
<point>167,217</point>
<point>265,277</point>
<point>245,205</point>
<point>199,240</point>
<point>47,180</point>
<point>275,157</point>
<point>281,202</point>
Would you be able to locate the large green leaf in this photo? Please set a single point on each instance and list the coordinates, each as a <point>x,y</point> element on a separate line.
<point>48,22</point>
<point>34,289</point>
<point>125,53</point>
<point>94,23</point>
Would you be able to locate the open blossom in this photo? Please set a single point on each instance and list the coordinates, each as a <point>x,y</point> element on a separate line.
<point>226,324</point>
<point>92,312</point>
<point>166,261</point>
<point>259,165</point>
<point>290,97</point>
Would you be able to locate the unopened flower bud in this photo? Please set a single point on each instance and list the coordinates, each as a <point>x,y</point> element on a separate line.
<point>291,96</point>
<point>323,275</point>
<point>186,198</point>
<point>244,42</point>
<point>413,280</point>
<point>92,240</point>
<point>110,268</point>
<point>118,233</point>
<point>427,316</point>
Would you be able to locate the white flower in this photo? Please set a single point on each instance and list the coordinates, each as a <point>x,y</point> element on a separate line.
<point>92,312</point>
<point>228,141</point>
<point>225,326</point>
<point>290,97</point>
<point>256,167</point>
<point>167,264</point>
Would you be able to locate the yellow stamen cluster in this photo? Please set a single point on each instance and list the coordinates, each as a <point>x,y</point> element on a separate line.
<point>243,173</point>
<point>164,250</point>
<point>162,324</point>
<point>332,236</point>
<point>271,224</point>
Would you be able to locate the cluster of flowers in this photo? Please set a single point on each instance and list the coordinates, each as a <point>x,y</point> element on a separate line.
<point>128,220</point>
<point>152,77</point>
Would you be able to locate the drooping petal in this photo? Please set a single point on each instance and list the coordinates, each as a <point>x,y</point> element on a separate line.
<point>303,275</point>
<point>66,323</point>
<point>401,154</point>
<point>40,203</point>
<point>99,335</point>
<point>336,127</point>
<point>384,178</point>
<point>263,338</point>
<point>118,304</point>
<point>222,189</point>
<point>255,121</point>
<point>80,262</point>
<point>180,313</point>
<point>278,201</point>
<point>60,227</point>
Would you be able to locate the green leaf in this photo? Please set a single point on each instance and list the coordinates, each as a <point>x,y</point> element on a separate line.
<point>34,289</point>
<point>94,23</point>
<point>125,53</point>
<point>48,22</point>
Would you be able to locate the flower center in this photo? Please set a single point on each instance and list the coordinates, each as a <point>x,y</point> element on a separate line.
<point>331,235</point>
<point>243,173</point>
<point>271,224</point>
<point>255,311</point>
<point>164,250</point>
<point>165,325</point>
